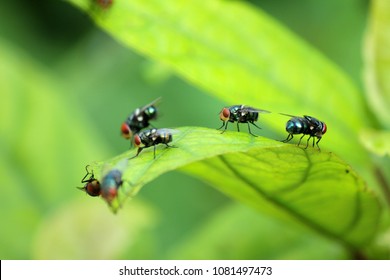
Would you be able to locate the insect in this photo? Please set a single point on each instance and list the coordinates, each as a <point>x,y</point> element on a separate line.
<point>305,125</point>
<point>240,114</point>
<point>153,137</point>
<point>139,119</point>
<point>92,186</point>
<point>112,181</point>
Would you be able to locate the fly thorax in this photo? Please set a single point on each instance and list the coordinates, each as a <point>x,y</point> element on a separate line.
<point>145,138</point>
<point>117,177</point>
<point>140,118</point>
<point>151,112</point>
<point>234,114</point>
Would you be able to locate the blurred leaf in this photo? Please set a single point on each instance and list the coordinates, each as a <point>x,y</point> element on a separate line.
<point>20,213</point>
<point>376,141</point>
<point>237,232</point>
<point>312,187</point>
<point>253,60</point>
<point>377,60</point>
<point>42,156</point>
<point>84,230</point>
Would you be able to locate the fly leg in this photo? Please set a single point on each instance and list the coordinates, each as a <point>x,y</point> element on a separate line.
<point>92,175</point>
<point>131,144</point>
<point>307,143</point>
<point>288,138</point>
<point>170,146</point>
<point>301,139</point>
<point>224,124</point>
<point>166,144</point>
<point>249,128</point>
<point>319,139</point>
<point>256,125</point>
<point>138,151</point>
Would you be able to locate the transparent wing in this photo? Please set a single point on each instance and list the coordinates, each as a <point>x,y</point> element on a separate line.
<point>120,165</point>
<point>309,117</point>
<point>288,115</point>
<point>167,130</point>
<point>154,102</point>
<point>255,110</point>
<point>105,169</point>
<point>312,120</point>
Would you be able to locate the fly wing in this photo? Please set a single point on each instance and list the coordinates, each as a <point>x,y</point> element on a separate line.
<point>288,115</point>
<point>153,103</point>
<point>120,165</point>
<point>168,131</point>
<point>312,120</point>
<point>105,169</point>
<point>309,118</point>
<point>255,110</point>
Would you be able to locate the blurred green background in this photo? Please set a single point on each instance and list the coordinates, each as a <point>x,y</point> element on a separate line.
<point>66,87</point>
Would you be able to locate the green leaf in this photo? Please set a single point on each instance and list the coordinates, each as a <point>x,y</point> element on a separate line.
<point>242,56</point>
<point>84,230</point>
<point>237,232</point>
<point>313,188</point>
<point>376,141</point>
<point>41,154</point>
<point>377,62</point>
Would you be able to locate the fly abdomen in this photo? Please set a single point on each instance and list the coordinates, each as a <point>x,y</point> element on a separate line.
<point>165,138</point>
<point>249,117</point>
<point>297,126</point>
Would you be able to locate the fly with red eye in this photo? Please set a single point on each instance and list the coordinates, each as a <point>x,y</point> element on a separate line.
<point>139,119</point>
<point>153,137</point>
<point>92,185</point>
<point>240,114</point>
<point>305,125</point>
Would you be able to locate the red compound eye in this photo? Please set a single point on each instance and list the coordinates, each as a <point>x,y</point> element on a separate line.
<point>137,140</point>
<point>93,188</point>
<point>324,128</point>
<point>225,114</point>
<point>126,131</point>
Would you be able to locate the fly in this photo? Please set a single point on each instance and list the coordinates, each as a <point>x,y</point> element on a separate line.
<point>305,125</point>
<point>92,185</point>
<point>112,181</point>
<point>139,119</point>
<point>153,137</point>
<point>240,114</point>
